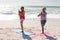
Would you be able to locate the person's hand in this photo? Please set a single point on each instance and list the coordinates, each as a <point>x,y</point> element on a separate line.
<point>38,15</point>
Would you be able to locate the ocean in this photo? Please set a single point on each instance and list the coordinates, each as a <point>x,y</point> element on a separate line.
<point>11,13</point>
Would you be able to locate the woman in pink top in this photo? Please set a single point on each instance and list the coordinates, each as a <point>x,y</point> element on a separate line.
<point>43,18</point>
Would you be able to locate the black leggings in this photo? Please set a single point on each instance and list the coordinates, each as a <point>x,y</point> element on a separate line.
<point>43,22</point>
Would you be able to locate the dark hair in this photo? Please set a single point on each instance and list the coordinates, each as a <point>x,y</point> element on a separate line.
<point>44,8</point>
<point>22,7</point>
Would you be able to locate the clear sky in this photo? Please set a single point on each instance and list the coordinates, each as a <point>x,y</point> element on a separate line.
<point>31,2</point>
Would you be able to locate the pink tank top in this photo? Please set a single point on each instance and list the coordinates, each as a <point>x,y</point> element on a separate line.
<point>43,16</point>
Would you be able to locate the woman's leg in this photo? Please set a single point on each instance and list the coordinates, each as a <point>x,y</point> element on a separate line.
<point>22,26</point>
<point>21,23</point>
<point>43,24</point>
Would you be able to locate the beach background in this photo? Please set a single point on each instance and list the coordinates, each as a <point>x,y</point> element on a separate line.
<point>31,12</point>
<point>9,19</point>
<point>8,22</point>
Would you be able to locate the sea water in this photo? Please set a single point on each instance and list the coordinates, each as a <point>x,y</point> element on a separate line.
<point>11,13</point>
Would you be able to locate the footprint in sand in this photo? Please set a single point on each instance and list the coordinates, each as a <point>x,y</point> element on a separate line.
<point>59,35</point>
<point>1,39</point>
<point>15,39</point>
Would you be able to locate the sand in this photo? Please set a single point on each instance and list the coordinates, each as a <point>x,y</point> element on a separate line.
<point>52,26</point>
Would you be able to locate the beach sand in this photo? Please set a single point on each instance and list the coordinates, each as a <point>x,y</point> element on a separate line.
<point>52,26</point>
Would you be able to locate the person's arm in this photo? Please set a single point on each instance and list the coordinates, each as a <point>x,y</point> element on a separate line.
<point>44,14</point>
<point>18,12</point>
<point>24,12</point>
<point>39,14</point>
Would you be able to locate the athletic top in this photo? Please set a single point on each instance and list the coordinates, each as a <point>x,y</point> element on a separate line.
<point>43,15</point>
<point>21,15</point>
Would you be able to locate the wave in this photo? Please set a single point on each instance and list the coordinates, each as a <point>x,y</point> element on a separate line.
<point>13,17</point>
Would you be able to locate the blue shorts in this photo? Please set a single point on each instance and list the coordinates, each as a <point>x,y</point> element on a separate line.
<point>43,22</point>
<point>21,20</point>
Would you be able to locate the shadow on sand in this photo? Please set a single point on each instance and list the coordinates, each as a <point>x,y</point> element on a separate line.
<point>25,36</point>
<point>50,37</point>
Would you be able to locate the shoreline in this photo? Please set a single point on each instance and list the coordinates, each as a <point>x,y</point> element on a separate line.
<point>32,16</point>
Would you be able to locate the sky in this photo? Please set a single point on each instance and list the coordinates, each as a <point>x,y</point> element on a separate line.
<point>30,2</point>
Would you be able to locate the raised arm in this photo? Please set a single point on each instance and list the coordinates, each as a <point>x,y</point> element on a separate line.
<point>18,12</point>
<point>39,14</point>
<point>24,12</point>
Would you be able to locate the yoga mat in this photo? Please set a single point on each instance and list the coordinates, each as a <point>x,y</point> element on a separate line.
<point>20,32</point>
<point>43,35</point>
